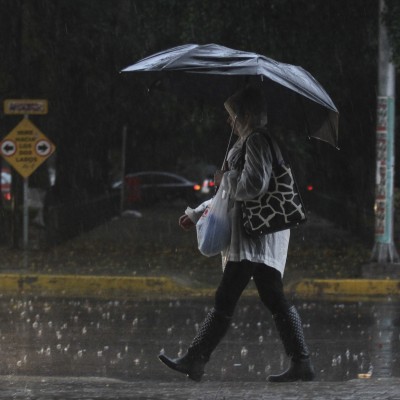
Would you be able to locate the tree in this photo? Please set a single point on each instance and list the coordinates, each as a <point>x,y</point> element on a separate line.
<point>71,52</point>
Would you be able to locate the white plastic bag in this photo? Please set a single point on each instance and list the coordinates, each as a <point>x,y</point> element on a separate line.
<point>214,226</point>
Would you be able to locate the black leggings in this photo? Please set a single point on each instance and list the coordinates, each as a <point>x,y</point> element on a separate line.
<point>236,277</point>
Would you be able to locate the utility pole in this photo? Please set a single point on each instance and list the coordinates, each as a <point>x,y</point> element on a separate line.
<point>123,168</point>
<point>384,251</point>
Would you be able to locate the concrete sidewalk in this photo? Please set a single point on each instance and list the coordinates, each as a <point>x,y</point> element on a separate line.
<point>128,287</point>
<point>26,387</point>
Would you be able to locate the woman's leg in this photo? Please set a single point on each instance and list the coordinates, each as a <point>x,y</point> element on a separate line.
<point>215,325</point>
<point>288,323</point>
<point>269,284</point>
<point>234,280</point>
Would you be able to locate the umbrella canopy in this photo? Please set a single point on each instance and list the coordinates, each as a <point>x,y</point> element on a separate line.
<point>215,72</point>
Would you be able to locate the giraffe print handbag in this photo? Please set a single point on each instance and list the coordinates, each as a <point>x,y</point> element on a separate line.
<point>280,208</point>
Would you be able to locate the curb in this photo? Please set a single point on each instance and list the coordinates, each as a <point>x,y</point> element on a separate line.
<point>126,287</point>
<point>105,287</point>
<point>351,289</point>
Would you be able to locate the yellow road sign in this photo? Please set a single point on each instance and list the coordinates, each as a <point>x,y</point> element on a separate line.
<point>25,106</point>
<point>26,148</point>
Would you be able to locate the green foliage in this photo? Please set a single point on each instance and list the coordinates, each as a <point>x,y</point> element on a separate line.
<point>391,17</point>
<point>71,52</point>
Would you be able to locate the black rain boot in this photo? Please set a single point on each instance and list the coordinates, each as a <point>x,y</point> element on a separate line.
<point>209,335</point>
<point>290,330</point>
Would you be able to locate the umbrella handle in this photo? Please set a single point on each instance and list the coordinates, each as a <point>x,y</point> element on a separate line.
<point>224,163</point>
<point>229,144</point>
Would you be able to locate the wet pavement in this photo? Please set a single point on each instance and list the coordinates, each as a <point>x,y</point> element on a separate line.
<point>21,388</point>
<point>93,349</point>
<point>87,319</point>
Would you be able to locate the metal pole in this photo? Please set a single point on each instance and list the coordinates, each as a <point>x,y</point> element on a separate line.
<point>123,162</point>
<point>25,214</point>
<point>384,250</point>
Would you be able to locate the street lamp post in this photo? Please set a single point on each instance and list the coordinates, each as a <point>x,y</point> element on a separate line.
<point>384,250</point>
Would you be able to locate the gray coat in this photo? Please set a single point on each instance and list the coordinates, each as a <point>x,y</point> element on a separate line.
<point>247,184</point>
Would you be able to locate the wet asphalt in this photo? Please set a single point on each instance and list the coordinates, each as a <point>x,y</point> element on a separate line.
<point>96,349</point>
<point>83,348</point>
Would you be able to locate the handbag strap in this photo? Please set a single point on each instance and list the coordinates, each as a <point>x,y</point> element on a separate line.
<point>271,146</point>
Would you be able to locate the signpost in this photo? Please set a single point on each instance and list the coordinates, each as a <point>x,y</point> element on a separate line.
<point>25,148</point>
<point>25,107</point>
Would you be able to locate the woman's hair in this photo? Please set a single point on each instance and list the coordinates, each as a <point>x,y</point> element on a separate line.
<point>248,104</point>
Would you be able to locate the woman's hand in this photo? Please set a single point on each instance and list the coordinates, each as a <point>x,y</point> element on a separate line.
<point>186,223</point>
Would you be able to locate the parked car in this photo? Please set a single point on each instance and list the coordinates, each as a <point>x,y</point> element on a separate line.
<point>208,187</point>
<point>35,196</point>
<point>149,187</point>
<point>6,185</point>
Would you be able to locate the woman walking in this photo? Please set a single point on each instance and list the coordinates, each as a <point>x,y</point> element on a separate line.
<point>262,258</point>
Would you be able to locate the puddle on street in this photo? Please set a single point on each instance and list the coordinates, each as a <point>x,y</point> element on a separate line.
<point>123,339</point>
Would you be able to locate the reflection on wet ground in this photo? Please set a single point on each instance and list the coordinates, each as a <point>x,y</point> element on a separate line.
<point>122,339</point>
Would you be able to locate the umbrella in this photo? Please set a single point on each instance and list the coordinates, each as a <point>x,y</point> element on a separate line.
<point>215,72</point>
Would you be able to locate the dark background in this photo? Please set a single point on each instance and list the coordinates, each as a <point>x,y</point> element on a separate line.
<point>71,52</point>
